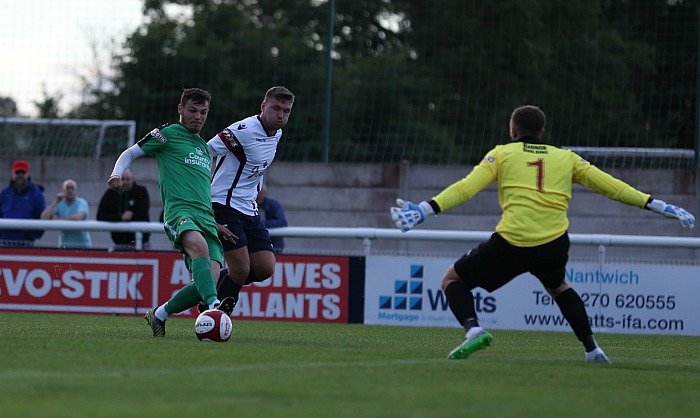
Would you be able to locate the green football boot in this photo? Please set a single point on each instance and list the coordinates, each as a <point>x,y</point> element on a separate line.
<point>471,345</point>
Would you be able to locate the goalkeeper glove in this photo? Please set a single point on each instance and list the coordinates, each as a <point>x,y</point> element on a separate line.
<point>672,211</point>
<point>407,214</point>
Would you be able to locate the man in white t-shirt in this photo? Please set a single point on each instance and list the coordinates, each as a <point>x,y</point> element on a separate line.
<point>67,206</point>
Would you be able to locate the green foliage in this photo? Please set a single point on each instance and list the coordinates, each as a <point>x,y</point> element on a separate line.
<point>48,106</point>
<point>433,85</point>
<point>8,107</point>
<point>87,366</point>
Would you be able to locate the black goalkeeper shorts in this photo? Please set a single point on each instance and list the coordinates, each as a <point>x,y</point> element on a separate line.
<point>495,262</point>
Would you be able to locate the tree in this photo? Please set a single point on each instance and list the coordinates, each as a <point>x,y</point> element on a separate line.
<point>668,91</point>
<point>415,81</point>
<point>97,86</point>
<point>48,106</point>
<point>8,107</point>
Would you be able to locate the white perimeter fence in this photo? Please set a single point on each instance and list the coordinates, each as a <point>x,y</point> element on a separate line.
<point>367,235</point>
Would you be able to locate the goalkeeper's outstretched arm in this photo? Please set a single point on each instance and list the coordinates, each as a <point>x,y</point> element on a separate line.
<point>686,219</point>
<point>605,184</point>
<point>406,214</point>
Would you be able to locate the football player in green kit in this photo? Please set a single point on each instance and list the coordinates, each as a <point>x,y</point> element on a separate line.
<point>184,168</point>
<point>534,188</point>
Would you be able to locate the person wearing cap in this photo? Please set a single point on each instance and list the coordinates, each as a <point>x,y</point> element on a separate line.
<point>21,199</point>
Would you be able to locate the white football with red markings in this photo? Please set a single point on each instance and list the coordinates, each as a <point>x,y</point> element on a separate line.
<point>213,326</point>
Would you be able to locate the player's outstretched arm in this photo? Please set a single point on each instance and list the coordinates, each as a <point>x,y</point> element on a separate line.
<point>123,162</point>
<point>406,214</point>
<point>672,211</point>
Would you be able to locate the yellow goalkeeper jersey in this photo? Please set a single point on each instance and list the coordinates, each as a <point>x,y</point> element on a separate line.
<point>534,189</point>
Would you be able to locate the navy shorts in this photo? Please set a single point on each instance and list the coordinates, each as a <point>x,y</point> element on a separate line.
<point>249,229</point>
<point>495,263</point>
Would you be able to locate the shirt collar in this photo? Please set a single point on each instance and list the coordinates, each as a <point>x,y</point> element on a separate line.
<point>531,140</point>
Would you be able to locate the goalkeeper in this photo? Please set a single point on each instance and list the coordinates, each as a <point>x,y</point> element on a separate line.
<point>534,188</point>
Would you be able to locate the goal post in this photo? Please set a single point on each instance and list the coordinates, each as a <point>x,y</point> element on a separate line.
<point>65,137</point>
<point>637,157</point>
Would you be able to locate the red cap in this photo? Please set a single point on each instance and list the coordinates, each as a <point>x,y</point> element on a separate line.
<point>20,165</point>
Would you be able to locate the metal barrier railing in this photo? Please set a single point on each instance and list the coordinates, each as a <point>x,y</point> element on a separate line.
<point>367,235</point>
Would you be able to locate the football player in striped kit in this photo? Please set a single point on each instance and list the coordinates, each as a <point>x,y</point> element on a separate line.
<point>242,154</point>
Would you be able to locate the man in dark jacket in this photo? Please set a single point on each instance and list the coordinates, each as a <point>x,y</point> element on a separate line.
<point>130,203</point>
<point>22,199</point>
<point>273,216</point>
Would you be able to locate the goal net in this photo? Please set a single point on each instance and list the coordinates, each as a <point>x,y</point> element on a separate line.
<point>65,137</point>
<point>637,157</point>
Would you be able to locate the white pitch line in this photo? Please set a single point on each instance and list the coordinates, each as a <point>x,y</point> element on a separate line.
<point>15,374</point>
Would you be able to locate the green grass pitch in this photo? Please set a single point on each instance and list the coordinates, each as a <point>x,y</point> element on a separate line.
<point>54,365</point>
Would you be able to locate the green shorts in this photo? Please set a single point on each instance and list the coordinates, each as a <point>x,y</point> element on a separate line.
<point>175,226</point>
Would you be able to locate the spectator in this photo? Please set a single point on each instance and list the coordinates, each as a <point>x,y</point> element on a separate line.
<point>67,206</point>
<point>129,203</point>
<point>22,199</point>
<point>272,215</point>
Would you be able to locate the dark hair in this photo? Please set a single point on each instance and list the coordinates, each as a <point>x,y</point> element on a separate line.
<point>279,93</point>
<point>195,95</point>
<point>530,120</point>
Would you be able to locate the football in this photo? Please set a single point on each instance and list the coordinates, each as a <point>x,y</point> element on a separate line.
<point>213,326</point>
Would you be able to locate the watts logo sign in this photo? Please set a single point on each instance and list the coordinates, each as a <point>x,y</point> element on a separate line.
<point>410,294</point>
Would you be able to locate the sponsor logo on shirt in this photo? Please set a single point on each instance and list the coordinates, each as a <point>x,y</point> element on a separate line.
<point>159,136</point>
<point>198,158</point>
<point>258,170</point>
<point>535,148</point>
<point>228,136</point>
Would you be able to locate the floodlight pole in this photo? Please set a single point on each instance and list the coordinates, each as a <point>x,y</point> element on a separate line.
<point>697,98</point>
<point>329,77</point>
<point>697,114</point>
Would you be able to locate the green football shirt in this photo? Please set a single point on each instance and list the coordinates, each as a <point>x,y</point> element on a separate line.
<point>184,170</point>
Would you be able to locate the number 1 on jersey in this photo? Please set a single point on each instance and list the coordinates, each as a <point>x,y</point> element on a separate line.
<point>540,173</point>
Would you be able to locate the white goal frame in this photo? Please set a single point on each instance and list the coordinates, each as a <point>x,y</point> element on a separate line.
<point>102,124</point>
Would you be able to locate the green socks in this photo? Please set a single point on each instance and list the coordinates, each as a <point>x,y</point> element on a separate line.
<point>203,288</point>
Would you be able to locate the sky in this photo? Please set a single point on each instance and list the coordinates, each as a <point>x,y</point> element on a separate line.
<point>47,45</point>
